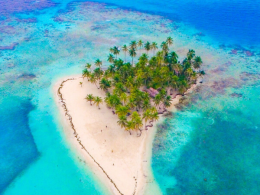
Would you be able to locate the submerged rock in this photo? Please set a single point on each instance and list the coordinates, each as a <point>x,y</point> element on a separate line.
<point>238,95</point>
<point>9,47</point>
<point>27,76</point>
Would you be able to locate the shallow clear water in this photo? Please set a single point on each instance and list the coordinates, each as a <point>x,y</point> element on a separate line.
<point>210,146</point>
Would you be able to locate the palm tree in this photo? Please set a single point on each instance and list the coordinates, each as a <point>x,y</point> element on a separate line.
<point>146,116</point>
<point>98,73</point>
<point>133,45</point>
<point>173,57</point>
<point>122,110</point>
<point>165,47</point>
<point>132,54</point>
<point>80,83</point>
<point>123,97</point>
<point>143,58</point>
<point>116,51</point>
<point>93,79</point>
<point>111,70</point>
<point>147,46</point>
<point>197,62</point>
<point>136,120</point>
<point>131,104</point>
<point>167,102</point>
<point>183,86</point>
<point>125,49</point>
<point>104,84</point>
<point>160,57</point>
<point>98,101</point>
<point>88,66</point>
<point>98,63</point>
<point>153,110</point>
<point>114,101</point>
<point>110,58</point>
<point>129,126</point>
<point>89,98</point>
<point>169,41</point>
<point>85,73</point>
<point>111,50</point>
<point>122,122</point>
<point>154,46</point>
<point>190,55</point>
<point>155,116</point>
<point>146,104</point>
<point>140,44</point>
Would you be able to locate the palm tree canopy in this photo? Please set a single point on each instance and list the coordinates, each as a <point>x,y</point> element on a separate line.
<point>197,62</point>
<point>154,46</point>
<point>132,52</point>
<point>98,101</point>
<point>110,58</point>
<point>116,51</point>
<point>85,73</point>
<point>89,98</point>
<point>88,66</point>
<point>133,45</point>
<point>98,63</point>
<point>165,47</point>
<point>169,41</point>
<point>147,46</point>
<point>140,43</point>
<point>125,48</point>
<point>122,121</point>
<point>122,110</point>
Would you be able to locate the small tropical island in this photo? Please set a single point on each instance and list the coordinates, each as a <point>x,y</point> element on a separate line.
<point>110,112</point>
<point>137,93</point>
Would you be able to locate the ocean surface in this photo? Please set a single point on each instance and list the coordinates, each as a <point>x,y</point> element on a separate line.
<point>210,146</point>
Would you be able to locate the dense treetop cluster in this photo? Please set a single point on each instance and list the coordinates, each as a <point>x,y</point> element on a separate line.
<point>137,92</point>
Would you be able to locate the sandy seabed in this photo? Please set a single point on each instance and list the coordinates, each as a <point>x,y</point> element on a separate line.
<point>119,160</point>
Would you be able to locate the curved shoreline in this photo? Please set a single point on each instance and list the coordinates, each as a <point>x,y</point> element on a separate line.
<point>144,171</point>
<point>78,138</point>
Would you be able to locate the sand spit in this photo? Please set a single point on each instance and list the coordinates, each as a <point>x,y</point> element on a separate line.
<point>121,161</point>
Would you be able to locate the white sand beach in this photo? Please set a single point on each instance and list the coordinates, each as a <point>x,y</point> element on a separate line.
<point>120,160</point>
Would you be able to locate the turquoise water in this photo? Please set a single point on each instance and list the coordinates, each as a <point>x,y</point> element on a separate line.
<point>210,146</point>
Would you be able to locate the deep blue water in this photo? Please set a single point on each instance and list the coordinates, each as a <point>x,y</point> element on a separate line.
<point>234,21</point>
<point>16,139</point>
<point>209,147</point>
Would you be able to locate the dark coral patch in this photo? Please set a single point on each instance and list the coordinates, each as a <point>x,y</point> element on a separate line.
<point>249,53</point>
<point>233,51</point>
<point>220,86</point>
<point>7,7</point>
<point>9,47</point>
<point>237,95</point>
<point>27,76</point>
<point>7,29</point>
<point>246,76</point>
<point>27,20</point>
<point>58,19</point>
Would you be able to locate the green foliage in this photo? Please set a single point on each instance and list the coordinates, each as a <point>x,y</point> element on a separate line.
<point>98,101</point>
<point>126,83</point>
<point>90,98</point>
